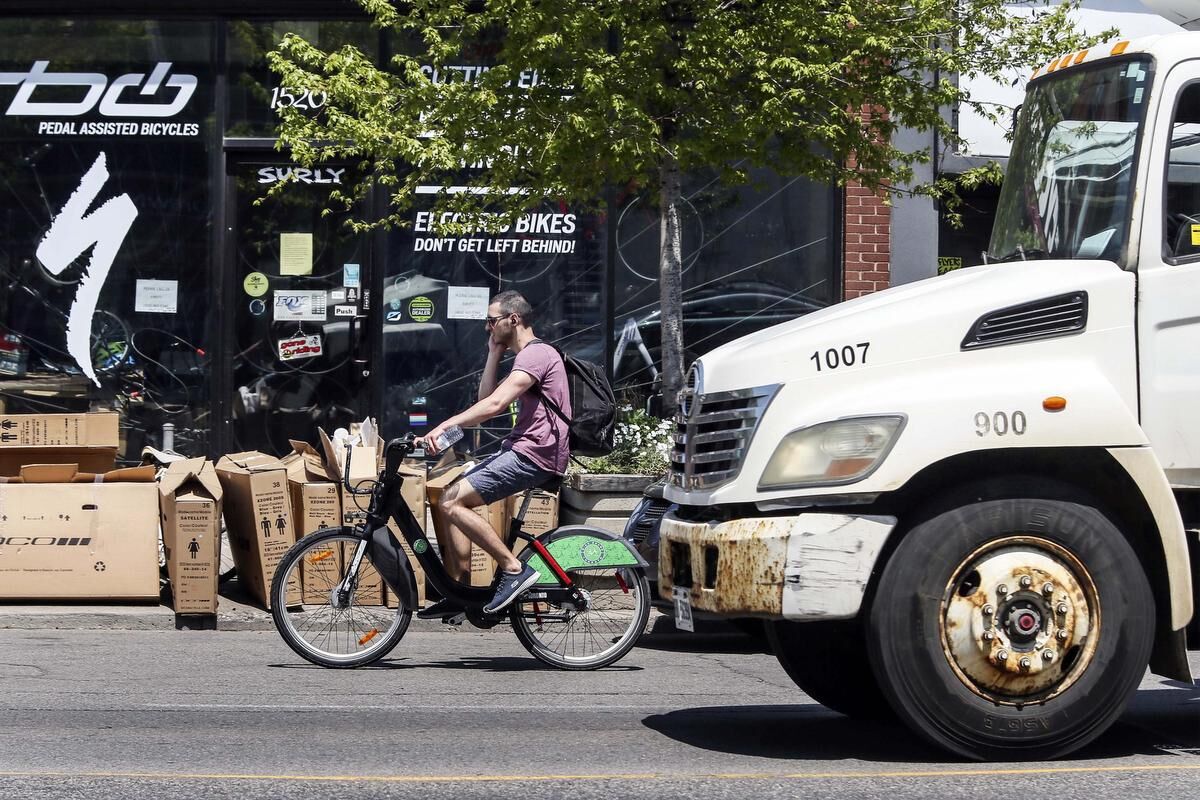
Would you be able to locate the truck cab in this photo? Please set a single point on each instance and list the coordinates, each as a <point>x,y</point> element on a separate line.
<point>968,501</point>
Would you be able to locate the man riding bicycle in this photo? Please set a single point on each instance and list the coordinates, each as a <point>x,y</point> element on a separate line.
<point>535,452</point>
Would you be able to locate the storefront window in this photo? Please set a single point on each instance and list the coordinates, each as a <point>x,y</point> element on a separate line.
<point>436,291</point>
<point>105,206</point>
<point>753,256</point>
<point>254,90</point>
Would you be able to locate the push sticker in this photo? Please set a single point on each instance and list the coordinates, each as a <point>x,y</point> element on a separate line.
<point>256,284</point>
<point>1196,235</point>
<point>420,309</point>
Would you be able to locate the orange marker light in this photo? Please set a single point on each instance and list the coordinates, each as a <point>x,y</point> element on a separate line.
<point>371,634</point>
<point>1119,48</point>
<point>321,556</point>
<point>1054,403</point>
<point>1082,55</point>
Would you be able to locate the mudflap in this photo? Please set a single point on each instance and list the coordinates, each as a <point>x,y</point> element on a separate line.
<point>582,547</point>
<point>393,566</point>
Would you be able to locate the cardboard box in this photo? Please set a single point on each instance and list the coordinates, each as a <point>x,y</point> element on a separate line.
<point>66,535</point>
<point>541,516</point>
<point>88,441</point>
<point>363,460</point>
<point>258,518</point>
<point>321,572</point>
<point>483,566</point>
<point>190,505</point>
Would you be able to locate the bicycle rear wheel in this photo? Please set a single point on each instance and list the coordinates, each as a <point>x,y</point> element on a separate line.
<point>565,637</point>
<point>360,632</point>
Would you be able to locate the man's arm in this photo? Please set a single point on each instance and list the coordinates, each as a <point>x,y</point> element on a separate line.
<point>487,381</point>
<point>512,387</point>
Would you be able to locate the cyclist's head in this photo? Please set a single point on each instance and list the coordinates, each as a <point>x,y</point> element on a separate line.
<point>513,302</point>
<point>507,314</point>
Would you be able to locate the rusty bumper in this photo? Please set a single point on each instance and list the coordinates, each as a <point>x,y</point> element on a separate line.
<point>808,566</point>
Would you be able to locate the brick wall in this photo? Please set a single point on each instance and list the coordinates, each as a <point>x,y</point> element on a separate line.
<point>867,245</point>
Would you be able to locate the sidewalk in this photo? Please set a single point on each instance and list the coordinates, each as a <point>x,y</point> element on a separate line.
<point>236,611</point>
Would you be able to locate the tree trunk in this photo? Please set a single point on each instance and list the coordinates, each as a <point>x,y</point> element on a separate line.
<point>670,280</point>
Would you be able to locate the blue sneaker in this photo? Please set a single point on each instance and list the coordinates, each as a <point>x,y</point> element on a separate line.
<point>511,585</point>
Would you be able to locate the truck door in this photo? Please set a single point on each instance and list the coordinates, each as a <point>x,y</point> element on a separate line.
<point>1169,279</point>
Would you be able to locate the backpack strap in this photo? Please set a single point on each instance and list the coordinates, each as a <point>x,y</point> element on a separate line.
<point>550,404</point>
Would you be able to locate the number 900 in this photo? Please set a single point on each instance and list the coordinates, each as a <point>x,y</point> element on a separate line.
<point>1000,423</point>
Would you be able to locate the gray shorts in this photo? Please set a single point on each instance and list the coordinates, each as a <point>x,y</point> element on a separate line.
<point>505,474</point>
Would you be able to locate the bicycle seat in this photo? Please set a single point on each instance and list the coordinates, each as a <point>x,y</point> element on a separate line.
<point>553,485</point>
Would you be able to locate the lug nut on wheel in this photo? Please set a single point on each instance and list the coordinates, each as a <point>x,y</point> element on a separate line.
<point>1025,663</point>
<point>988,610</point>
<point>1026,581</point>
<point>1062,608</point>
<point>988,636</point>
<point>1047,588</point>
<point>1002,656</point>
<point>1047,655</point>
<point>1062,634</point>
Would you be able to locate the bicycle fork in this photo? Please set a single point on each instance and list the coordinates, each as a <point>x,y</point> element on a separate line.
<point>345,588</point>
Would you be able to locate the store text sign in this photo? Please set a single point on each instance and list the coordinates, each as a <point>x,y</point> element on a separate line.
<point>158,94</point>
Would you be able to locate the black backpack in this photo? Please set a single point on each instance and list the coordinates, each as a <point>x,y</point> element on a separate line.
<point>593,404</point>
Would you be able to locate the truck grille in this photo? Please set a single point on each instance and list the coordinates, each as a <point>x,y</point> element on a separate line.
<point>1042,319</point>
<point>711,441</point>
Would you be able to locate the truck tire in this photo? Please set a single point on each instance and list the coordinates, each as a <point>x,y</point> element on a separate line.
<point>828,660</point>
<point>1012,629</point>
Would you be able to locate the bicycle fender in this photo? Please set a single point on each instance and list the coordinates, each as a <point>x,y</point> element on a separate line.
<point>582,547</point>
<point>392,564</point>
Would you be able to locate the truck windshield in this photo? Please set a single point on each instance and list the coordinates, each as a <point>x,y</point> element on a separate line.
<point>1069,184</point>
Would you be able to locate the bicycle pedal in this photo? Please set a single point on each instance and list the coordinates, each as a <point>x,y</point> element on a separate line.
<point>458,619</point>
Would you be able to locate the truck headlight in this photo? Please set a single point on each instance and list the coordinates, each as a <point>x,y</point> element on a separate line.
<point>841,451</point>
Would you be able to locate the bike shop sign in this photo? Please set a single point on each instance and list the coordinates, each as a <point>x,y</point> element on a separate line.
<point>133,104</point>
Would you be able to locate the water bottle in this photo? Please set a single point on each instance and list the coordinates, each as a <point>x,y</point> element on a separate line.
<point>448,437</point>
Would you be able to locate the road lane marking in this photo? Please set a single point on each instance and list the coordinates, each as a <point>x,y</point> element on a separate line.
<point>656,776</point>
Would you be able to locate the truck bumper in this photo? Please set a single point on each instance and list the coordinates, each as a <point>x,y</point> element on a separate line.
<point>805,567</point>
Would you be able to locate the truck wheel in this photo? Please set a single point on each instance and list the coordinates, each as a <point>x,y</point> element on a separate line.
<point>1012,629</point>
<point>828,661</point>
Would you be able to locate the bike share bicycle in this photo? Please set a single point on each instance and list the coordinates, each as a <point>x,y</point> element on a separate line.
<point>587,610</point>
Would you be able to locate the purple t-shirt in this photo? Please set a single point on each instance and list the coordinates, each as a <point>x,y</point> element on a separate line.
<point>540,435</point>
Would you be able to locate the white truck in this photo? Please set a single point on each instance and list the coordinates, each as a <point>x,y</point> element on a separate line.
<point>969,501</point>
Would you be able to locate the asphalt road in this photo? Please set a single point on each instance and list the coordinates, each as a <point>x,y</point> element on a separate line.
<point>125,714</point>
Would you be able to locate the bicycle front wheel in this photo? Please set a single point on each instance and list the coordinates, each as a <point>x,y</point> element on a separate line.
<point>312,622</point>
<point>570,638</point>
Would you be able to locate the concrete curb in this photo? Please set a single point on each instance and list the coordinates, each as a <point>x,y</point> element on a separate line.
<point>230,617</point>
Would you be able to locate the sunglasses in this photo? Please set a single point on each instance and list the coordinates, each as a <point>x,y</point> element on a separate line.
<point>492,321</point>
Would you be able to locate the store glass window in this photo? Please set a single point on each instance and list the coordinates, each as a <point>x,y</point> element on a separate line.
<point>254,90</point>
<point>105,196</point>
<point>435,295</point>
<point>753,256</point>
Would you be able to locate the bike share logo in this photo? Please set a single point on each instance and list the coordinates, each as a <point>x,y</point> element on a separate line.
<point>126,97</point>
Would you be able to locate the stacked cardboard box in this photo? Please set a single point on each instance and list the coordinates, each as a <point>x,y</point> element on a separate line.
<point>190,505</point>
<point>316,503</point>
<point>541,516</point>
<point>72,527</point>
<point>258,518</point>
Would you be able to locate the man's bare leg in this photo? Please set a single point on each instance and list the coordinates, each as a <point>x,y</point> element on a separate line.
<point>455,549</point>
<point>457,503</point>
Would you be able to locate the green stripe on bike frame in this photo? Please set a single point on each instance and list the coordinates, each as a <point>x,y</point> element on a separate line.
<point>582,552</point>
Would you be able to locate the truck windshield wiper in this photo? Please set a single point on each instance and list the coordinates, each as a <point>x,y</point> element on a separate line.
<point>1023,254</point>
